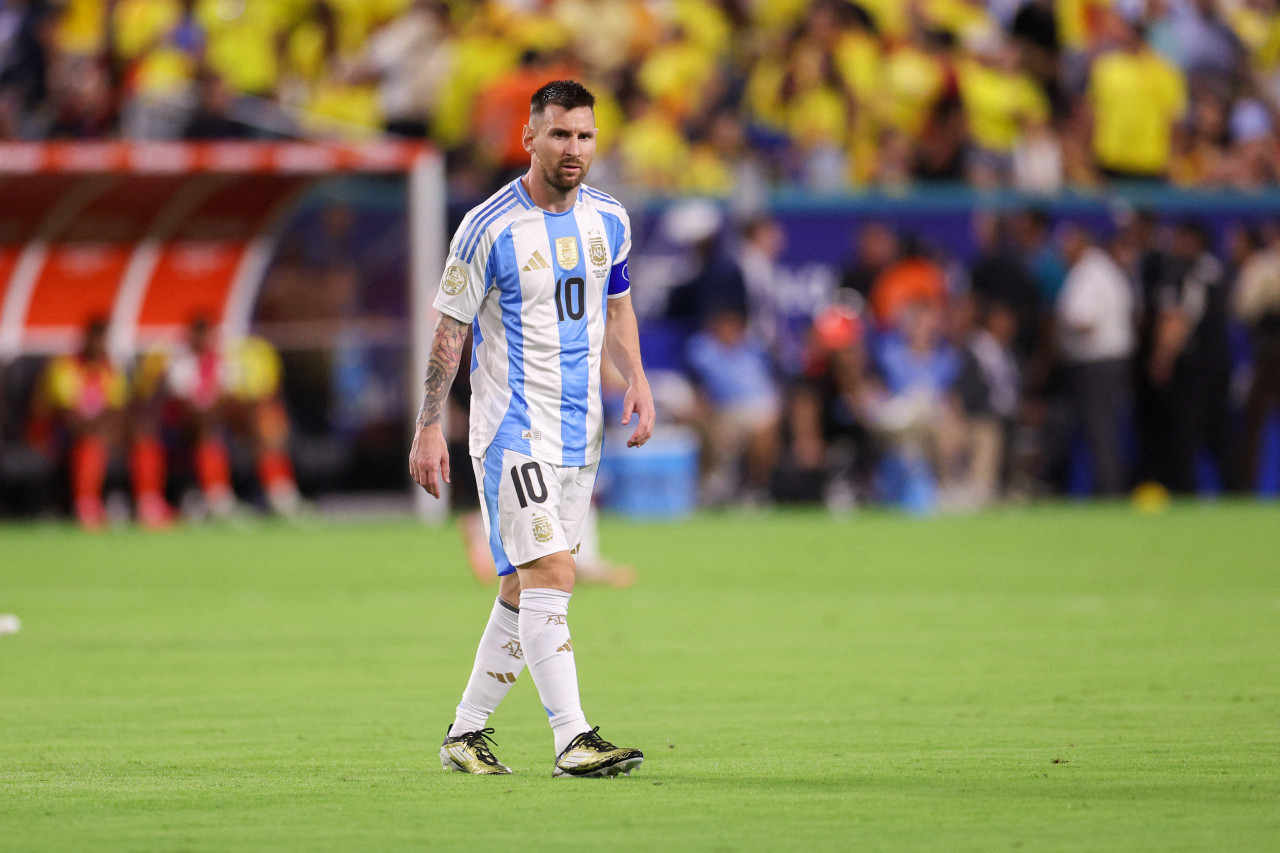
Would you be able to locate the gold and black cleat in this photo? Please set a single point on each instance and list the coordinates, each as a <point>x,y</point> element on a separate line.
<point>469,753</point>
<point>591,755</point>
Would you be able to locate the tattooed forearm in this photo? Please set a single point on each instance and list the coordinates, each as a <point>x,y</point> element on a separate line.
<point>446,352</point>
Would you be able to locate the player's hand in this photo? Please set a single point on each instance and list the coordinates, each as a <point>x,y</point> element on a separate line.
<point>639,401</point>
<point>429,459</point>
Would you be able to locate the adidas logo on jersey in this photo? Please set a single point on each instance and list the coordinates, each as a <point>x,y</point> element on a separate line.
<point>537,262</point>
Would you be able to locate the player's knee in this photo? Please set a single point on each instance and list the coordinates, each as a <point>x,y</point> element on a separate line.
<point>554,571</point>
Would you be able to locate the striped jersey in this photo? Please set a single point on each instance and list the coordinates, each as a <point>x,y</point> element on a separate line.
<point>534,286</point>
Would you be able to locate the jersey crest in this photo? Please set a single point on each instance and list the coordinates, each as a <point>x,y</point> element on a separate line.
<point>597,251</point>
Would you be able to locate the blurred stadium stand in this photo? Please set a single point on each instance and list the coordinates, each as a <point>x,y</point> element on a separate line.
<point>779,158</point>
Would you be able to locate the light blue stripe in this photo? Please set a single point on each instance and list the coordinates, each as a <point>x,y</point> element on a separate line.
<point>522,194</point>
<point>613,224</point>
<point>596,194</point>
<point>482,221</point>
<point>490,205</point>
<point>575,347</point>
<point>492,482</point>
<point>503,272</point>
<point>477,338</point>
<point>492,219</point>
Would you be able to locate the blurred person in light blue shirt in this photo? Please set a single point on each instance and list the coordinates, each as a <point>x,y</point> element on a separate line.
<point>744,408</point>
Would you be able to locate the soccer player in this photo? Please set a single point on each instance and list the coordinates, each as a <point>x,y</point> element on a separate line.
<point>539,272</point>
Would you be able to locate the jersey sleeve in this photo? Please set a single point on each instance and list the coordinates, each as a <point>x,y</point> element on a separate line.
<point>463,285</point>
<point>620,275</point>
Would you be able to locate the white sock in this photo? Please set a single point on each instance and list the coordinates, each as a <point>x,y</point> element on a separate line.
<point>499,661</point>
<point>544,632</point>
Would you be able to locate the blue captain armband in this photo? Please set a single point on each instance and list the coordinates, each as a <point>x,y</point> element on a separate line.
<point>619,280</point>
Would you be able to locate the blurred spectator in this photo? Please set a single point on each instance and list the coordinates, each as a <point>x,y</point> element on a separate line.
<point>1256,304</point>
<point>233,390</point>
<point>716,285</point>
<point>741,430</point>
<point>825,94</point>
<point>80,403</point>
<point>875,249</point>
<point>1205,45</point>
<point>1136,97</point>
<point>827,403</point>
<point>1095,334</point>
<point>1029,230</point>
<point>1000,274</point>
<point>212,116</point>
<point>163,44</point>
<point>762,243</point>
<point>915,410</point>
<point>26,29</point>
<point>87,108</point>
<point>1185,367</point>
<point>989,391</point>
<point>196,381</point>
<point>912,278</point>
<point>1003,104</point>
<point>410,56</point>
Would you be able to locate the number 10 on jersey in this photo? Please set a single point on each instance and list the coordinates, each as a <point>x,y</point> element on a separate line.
<point>571,298</point>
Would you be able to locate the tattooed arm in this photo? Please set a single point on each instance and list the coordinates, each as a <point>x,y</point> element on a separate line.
<point>429,458</point>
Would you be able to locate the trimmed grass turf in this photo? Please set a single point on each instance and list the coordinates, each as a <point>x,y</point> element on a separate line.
<point>1062,678</point>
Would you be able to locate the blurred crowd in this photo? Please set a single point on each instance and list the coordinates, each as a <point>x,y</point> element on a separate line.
<point>1056,359</point>
<point>197,427</point>
<point>702,96</point>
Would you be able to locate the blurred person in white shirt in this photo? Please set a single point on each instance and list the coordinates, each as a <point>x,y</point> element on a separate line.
<point>1094,315</point>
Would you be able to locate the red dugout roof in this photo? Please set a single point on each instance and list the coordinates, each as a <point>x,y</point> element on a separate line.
<point>150,235</point>
<point>158,158</point>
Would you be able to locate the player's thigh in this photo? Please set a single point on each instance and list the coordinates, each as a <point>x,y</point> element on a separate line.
<point>576,486</point>
<point>528,496</point>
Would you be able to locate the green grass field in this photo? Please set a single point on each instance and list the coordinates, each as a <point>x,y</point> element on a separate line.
<point>1062,678</point>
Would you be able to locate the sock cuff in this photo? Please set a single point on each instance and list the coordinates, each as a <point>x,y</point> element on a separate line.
<point>550,601</point>
<point>506,617</point>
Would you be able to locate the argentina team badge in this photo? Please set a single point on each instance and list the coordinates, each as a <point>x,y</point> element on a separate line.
<point>567,252</point>
<point>598,253</point>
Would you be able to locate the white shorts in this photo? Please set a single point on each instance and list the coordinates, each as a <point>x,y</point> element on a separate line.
<point>539,508</point>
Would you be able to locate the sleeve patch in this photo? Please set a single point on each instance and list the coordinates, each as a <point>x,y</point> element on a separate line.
<point>454,281</point>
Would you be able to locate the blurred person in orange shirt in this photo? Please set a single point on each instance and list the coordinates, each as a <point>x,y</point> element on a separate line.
<point>913,278</point>
<point>502,108</point>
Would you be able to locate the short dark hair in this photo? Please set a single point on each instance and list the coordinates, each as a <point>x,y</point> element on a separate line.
<point>569,94</point>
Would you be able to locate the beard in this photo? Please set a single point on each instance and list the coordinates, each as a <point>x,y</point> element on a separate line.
<point>562,182</point>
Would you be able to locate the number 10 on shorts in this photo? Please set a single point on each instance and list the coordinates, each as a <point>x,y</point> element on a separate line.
<point>527,479</point>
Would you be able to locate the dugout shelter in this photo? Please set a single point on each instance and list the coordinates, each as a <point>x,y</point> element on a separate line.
<point>151,235</point>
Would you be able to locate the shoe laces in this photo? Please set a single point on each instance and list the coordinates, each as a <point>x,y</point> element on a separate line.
<point>479,741</point>
<point>593,740</point>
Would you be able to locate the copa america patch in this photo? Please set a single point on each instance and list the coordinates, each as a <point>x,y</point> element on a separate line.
<point>567,252</point>
<point>455,279</point>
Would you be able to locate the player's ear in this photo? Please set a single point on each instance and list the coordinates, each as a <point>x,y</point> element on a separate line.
<point>526,138</point>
